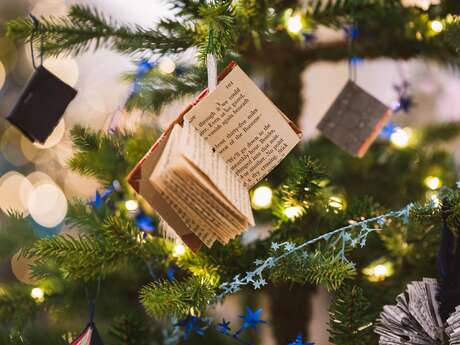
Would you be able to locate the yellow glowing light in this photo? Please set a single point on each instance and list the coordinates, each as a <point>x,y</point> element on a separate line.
<point>292,212</point>
<point>400,137</point>
<point>131,205</point>
<point>294,24</point>
<point>380,271</point>
<point>433,182</point>
<point>37,294</point>
<point>435,200</point>
<point>336,202</point>
<point>179,249</point>
<point>167,66</point>
<point>437,26</point>
<point>262,197</point>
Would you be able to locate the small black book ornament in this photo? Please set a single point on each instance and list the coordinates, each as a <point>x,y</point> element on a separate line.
<point>41,105</point>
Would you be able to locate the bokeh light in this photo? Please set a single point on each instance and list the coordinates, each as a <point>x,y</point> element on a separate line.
<point>10,147</point>
<point>292,212</point>
<point>433,182</point>
<point>20,266</point>
<point>294,24</point>
<point>400,137</point>
<point>38,294</point>
<point>2,75</point>
<point>131,205</point>
<point>262,197</point>
<point>65,68</point>
<point>54,138</point>
<point>47,205</point>
<point>437,26</point>
<point>15,190</point>
<point>179,249</point>
<point>167,65</point>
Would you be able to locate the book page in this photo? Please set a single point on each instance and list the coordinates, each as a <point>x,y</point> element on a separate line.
<point>244,127</point>
<point>201,154</point>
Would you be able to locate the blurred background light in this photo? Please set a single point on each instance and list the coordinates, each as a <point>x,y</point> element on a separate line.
<point>15,191</point>
<point>47,205</point>
<point>262,197</point>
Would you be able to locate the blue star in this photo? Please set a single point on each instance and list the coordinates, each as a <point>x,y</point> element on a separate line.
<point>299,341</point>
<point>100,199</point>
<point>224,327</point>
<point>191,325</point>
<point>251,319</point>
<point>388,130</point>
<point>144,222</point>
<point>171,272</point>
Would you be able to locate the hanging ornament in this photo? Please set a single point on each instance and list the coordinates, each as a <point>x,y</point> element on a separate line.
<point>416,318</point>
<point>354,120</point>
<point>42,102</point>
<point>89,336</point>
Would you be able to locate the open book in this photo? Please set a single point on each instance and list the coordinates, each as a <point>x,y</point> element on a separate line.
<point>198,173</point>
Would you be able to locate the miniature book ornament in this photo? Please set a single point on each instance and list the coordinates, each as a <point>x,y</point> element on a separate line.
<point>41,105</point>
<point>198,173</point>
<point>354,120</point>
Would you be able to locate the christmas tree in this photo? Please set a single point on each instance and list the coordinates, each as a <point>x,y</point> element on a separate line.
<point>363,228</point>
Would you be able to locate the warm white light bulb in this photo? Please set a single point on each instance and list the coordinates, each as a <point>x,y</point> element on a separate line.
<point>400,137</point>
<point>262,197</point>
<point>380,271</point>
<point>433,182</point>
<point>294,24</point>
<point>167,66</point>
<point>37,294</point>
<point>292,212</point>
<point>437,26</point>
<point>179,249</point>
<point>336,202</point>
<point>131,205</point>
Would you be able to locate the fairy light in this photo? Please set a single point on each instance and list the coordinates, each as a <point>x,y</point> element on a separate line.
<point>336,202</point>
<point>262,197</point>
<point>167,66</point>
<point>437,26</point>
<point>179,249</point>
<point>37,294</point>
<point>435,200</point>
<point>131,205</point>
<point>400,137</point>
<point>292,212</point>
<point>433,182</point>
<point>380,272</point>
<point>294,24</point>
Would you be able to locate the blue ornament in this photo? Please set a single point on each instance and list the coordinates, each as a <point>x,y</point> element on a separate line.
<point>356,60</point>
<point>388,130</point>
<point>352,32</point>
<point>100,199</point>
<point>191,325</point>
<point>43,232</point>
<point>143,67</point>
<point>299,341</point>
<point>171,272</point>
<point>252,319</point>
<point>144,222</point>
<point>224,327</point>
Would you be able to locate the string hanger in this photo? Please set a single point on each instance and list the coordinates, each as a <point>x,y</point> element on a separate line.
<point>35,30</point>
<point>211,64</point>
<point>92,299</point>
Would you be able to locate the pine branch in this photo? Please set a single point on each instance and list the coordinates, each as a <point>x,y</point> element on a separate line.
<point>350,321</point>
<point>158,89</point>
<point>319,268</point>
<point>127,330</point>
<point>104,156</point>
<point>177,299</point>
<point>85,28</point>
